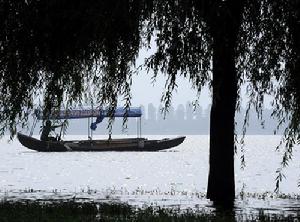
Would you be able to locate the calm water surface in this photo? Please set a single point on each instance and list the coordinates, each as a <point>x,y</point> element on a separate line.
<point>174,177</point>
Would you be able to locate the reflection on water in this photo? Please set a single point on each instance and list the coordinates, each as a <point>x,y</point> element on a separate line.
<point>177,177</point>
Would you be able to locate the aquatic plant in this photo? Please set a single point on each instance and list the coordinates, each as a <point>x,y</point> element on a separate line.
<point>102,212</point>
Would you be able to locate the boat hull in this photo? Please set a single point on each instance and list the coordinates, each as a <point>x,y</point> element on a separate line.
<point>120,145</point>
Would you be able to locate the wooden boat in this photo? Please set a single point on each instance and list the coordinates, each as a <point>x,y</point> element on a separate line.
<point>125,144</point>
<point>130,144</point>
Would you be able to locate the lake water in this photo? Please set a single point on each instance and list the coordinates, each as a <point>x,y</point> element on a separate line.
<point>169,178</point>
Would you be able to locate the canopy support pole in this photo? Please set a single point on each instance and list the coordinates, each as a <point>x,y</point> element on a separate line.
<point>91,122</point>
<point>89,128</point>
<point>33,126</point>
<point>137,128</point>
<point>140,126</point>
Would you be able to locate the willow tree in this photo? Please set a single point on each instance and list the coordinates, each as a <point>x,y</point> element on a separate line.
<point>227,44</point>
<point>67,52</point>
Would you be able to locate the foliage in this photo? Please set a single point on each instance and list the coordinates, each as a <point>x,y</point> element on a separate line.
<point>65,51</point>
<point>55,48</point>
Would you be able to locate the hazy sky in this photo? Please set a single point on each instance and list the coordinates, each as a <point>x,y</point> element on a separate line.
<point>145,92</point>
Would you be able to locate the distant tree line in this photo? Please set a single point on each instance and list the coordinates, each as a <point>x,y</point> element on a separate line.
<point>185,119</point>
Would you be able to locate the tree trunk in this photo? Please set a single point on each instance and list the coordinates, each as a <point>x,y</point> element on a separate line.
<point>221,160</point>
<point>224,30</point>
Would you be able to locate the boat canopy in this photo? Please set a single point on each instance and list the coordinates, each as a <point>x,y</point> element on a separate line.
<point>87,113</point>
<point>100,114</point>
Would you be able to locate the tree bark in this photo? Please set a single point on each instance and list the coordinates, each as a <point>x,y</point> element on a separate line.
<point>224,30</point>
